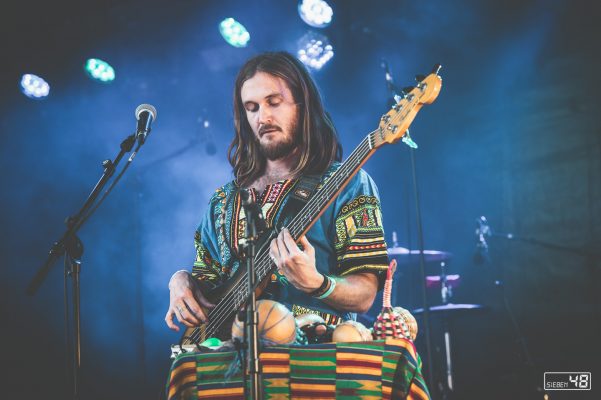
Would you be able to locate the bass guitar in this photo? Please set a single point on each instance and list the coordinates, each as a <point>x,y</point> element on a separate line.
<point>231,296</point>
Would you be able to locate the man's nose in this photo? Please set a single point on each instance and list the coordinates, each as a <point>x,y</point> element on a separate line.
<point>265,116</point>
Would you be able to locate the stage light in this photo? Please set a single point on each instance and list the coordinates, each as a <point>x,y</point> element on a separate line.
<point>99,70</point>
<point>34,87</point>
<point>316,13</point>
<point>314,50</point>
<point>234,32</point>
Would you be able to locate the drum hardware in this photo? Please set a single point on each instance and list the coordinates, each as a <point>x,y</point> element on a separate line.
<point>405,256</point>
<point>446,283</point>
<point>450,308</point>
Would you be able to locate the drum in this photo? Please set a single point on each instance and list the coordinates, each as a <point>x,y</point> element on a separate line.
<point>351,331</point>
<point>276,324</point>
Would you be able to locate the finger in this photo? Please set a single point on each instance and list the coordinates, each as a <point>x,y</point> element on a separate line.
<point>203,302</point>
<point>308,248</point>
<point>274,253</point>
<point>200,314</point>
<point>196,298</point>
<point>289,242</point>
<point>282,249</point>
<point>185,316</point>
<point>169,321</point>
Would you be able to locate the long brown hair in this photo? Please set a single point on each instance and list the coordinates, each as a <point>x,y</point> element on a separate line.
<point>318,144</point>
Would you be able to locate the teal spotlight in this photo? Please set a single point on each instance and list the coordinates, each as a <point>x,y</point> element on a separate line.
<point>234,32</point>
<point>100,70</point>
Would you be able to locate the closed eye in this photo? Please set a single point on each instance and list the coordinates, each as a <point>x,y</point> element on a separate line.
<point>251,107</point>
<point>275,101</point>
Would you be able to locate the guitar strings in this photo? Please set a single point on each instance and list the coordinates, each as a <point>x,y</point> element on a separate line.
<point>223,308</point>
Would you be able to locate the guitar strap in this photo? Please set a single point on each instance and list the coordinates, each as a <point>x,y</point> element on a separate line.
<point>301,193</point>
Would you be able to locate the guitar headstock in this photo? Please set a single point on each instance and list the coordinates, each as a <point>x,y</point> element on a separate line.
<point>394,124</point>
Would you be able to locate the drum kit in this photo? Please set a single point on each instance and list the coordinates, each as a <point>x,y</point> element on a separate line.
<point>442,281</point>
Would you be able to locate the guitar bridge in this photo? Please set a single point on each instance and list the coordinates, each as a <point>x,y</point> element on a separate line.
<point>177,349</point>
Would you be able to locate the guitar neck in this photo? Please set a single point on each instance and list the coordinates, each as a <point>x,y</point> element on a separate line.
<point>320,201</point>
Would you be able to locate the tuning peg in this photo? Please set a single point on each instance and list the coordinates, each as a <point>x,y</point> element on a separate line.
<point>436,69</point>
<point>419,78</point>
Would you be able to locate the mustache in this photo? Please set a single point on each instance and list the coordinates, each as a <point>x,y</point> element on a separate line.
<point>268,127</point>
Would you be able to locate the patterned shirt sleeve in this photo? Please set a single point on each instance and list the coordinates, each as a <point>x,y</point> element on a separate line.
<point>207,267</point>
<point>360,244</point>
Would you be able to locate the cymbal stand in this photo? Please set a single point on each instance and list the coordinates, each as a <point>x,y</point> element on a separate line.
<point>445,294</point>
<point>422,267</point>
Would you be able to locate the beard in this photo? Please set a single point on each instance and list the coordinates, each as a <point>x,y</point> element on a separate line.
<point>281,148</point>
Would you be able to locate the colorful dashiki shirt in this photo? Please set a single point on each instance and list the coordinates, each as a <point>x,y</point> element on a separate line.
<point>348,238</point>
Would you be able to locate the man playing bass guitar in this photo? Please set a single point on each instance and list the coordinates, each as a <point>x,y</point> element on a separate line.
<point>283,139</point>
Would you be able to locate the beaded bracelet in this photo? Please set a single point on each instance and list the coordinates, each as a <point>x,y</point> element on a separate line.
<point>330,289</point>
<point>321,289</point>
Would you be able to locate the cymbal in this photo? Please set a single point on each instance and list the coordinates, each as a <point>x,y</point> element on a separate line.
<point>452,281</point>
<point>450,307</point>
<point>406,256</point>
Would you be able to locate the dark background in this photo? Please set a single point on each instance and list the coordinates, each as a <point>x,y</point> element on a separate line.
<point>514,136</point>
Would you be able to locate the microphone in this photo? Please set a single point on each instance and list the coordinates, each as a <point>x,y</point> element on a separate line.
<point>206,135</point>
<point>255,222</point>
<point>145,114</point>
<point>390,86</point>
<point>482,231</point>
<point>387,76</point>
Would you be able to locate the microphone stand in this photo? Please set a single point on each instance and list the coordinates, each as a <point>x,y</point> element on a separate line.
<point>72,248</point>
<point>482,231</point>
<point>255,224</point>
<point>395,95</point>
<point>422,268</point>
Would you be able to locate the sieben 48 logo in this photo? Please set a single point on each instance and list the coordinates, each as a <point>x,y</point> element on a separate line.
<point>567,381</point>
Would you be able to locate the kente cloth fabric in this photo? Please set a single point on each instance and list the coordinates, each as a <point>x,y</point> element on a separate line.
<point>381,369</point>
<point>347,238</point>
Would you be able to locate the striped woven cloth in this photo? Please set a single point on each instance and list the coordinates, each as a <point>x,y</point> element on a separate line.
<point>381,369</point>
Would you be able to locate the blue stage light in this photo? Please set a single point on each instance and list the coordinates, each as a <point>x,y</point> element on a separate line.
<point>34,87</point>
<point>234,32</point>
<point>316,13</point>
<point>314,50</point>
<point>99,70</point>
